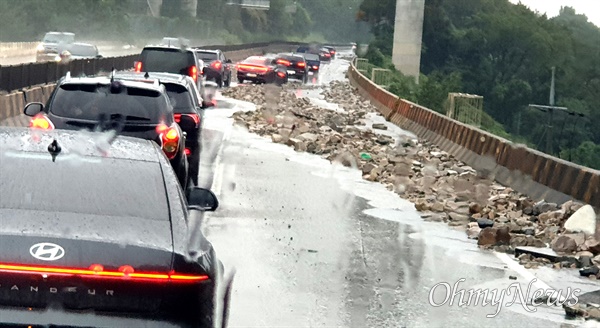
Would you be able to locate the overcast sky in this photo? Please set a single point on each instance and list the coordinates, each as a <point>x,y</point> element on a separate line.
<point>551,7</point>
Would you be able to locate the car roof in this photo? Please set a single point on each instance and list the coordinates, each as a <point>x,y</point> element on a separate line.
<point>73,142</point>
<point>288,54</point>
<point>206,50</point>
<point>170,47</point>
<point>161,77</point>
<point>67,33</point>
<point>106,80</point>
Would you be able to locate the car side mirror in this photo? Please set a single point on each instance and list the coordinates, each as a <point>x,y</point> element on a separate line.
<point>201,199</point>
<point>33,108</point>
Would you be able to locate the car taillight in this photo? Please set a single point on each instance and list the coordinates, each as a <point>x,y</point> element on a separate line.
<point>301,64</point>
<point>327,55</point>
<point>170,139</point>
<point>193,72</point>
<point>283,62</point>
<point>188,152</point>
<point>41,121</point>
<point>138,67</point>
<point>281,74</point>
<point>252,68</point>
<point>194,117</point>
<point>332,52</point>
<point>315,67</point>
<point>216,64</point>
<point>97,271</point>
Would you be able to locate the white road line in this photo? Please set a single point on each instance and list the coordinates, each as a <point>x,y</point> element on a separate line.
<point>522,271</point>
<point>219,169</point>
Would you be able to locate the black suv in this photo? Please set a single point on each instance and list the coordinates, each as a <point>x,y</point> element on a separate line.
<point>133,109</point>
<point>217,67</point>
<point>296,66</point>
<point>169,59</point>
<point>188,109</point>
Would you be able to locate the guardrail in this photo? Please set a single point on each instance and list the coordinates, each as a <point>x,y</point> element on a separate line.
<point>538,175</point>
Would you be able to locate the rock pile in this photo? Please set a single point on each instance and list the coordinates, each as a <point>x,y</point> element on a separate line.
<point>441,187</point>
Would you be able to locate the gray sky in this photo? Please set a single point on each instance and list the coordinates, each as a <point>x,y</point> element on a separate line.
<point>591,8</point>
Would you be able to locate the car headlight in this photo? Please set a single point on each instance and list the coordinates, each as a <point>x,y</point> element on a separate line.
<point>40,48</point>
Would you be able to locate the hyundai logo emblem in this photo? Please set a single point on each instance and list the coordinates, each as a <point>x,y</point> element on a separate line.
<point>47,251</point>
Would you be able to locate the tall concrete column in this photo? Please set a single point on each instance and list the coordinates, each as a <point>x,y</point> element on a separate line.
<point>190,6</point>
<point>408,34</point>
<point>154,7</point>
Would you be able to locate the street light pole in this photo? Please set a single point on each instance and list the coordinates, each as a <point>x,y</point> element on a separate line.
<point>551,118</point>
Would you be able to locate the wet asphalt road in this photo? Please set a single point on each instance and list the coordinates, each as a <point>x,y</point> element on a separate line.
<point>314,245</point>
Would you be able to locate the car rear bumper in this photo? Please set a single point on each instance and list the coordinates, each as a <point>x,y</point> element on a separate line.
<point>17,317</point>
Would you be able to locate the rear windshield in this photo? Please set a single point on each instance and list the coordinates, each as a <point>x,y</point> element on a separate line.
<point>257,61</point>
<point>108,186</point>
<point>89,101</point>
<point>57,38</point>
<point>311,57</point>
<point>207,56</point>
<point>180,97</point>
<point>291,58</point>
<point>167,61</point>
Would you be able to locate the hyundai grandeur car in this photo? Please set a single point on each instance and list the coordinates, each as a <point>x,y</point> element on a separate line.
<point>134,109</point>
<point>97,235</point>
<point>171,59</point>
<point>262,69</point>
<point>187,106</point>
<point>295,65</point>
<point>217,66</point>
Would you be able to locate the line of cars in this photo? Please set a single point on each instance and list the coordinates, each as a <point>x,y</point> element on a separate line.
<point>116,230</point>
<point>279,68</point>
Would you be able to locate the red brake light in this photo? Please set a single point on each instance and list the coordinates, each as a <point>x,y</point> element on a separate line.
<point>138,66</point>
<point>187,152</point>
<point>40,121</point>
<point>216,64</point>
<point>193,72</point>
<point>194,117</point>
<point>332,52</point>
<point>327,55</point>
<point>301,64</point>
<point>97,271</point>
<point>283,62</point>
<point>169,137</point>
<point>315,67</point>
<point>281,74</point>
<point>252,68</point>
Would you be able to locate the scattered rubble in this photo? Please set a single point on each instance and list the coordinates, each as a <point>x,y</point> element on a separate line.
<point>442,188</point>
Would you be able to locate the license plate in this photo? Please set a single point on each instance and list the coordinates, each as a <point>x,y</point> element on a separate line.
<point>291,72</point>
<point>251,75</point>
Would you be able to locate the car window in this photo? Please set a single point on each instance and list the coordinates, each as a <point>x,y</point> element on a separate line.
<point>180,97</point>
<point>109,187</point>
<point>207,56</point>
<point>167,61</point>
<point>57,38</point>
<point>88,101</point>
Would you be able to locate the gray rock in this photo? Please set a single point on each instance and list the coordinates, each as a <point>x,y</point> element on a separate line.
<point>379,126</point>
<point>485,223</point>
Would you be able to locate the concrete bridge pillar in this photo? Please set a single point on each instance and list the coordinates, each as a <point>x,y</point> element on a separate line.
<point>408,34</point>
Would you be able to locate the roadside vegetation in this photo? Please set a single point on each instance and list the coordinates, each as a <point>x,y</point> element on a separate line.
<point>505,53</point>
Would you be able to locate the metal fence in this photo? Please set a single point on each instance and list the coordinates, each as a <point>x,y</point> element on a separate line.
<point>16,77</point>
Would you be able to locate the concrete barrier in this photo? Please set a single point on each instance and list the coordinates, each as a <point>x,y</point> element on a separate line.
<point>526,170</point>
